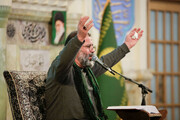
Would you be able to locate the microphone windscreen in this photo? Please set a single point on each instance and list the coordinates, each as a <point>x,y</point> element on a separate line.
<point>94,58</point>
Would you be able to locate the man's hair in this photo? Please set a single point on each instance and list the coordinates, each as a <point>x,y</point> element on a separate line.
<point>59,16</point>
<point>71,35</point>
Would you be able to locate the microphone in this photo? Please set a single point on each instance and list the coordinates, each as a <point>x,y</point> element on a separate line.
<point>96,59</point>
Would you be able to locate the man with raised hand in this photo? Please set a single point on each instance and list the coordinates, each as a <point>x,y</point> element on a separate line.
<point>72,91</point>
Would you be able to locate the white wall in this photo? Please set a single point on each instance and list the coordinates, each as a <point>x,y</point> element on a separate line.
<point>135,63</point>
<point>137,58</point>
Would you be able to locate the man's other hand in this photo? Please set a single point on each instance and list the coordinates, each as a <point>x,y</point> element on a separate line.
<point>131,40</point>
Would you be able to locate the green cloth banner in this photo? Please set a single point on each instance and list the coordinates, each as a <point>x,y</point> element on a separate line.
<point>112,87</point>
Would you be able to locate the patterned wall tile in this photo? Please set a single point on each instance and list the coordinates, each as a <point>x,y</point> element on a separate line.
<point>27,32</point>
<point>34,60</point>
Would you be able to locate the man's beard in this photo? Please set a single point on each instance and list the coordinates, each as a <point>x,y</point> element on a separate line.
<point>84,60</point>
<point>59,35</point>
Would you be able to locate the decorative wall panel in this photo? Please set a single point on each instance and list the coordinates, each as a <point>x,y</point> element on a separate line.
<point>27,32</point>
<point>34,60</point>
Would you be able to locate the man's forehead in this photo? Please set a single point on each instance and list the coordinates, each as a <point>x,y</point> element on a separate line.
<point>88,40</point>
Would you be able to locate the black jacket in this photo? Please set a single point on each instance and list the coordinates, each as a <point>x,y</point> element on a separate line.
<point>62,99</point>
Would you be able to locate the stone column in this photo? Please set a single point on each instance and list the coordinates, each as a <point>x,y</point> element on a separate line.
<point>4,11</point>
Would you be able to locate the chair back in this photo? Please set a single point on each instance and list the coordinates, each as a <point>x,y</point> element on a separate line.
<point>26,90</point>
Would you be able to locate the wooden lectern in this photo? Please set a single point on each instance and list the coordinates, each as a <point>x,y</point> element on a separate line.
<point>136,112</point>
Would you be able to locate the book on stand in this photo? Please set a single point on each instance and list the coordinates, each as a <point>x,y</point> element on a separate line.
<point>147,112</point>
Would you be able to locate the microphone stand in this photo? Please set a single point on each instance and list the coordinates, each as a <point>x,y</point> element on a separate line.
<point>144,91</point>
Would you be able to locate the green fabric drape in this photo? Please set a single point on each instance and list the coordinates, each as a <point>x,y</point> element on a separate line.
<point>83,93</point>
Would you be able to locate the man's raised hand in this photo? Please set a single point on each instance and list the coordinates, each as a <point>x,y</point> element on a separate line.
<point>84,27</point>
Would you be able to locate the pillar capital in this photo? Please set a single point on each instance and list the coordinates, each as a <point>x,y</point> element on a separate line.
<point>4,12</point>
